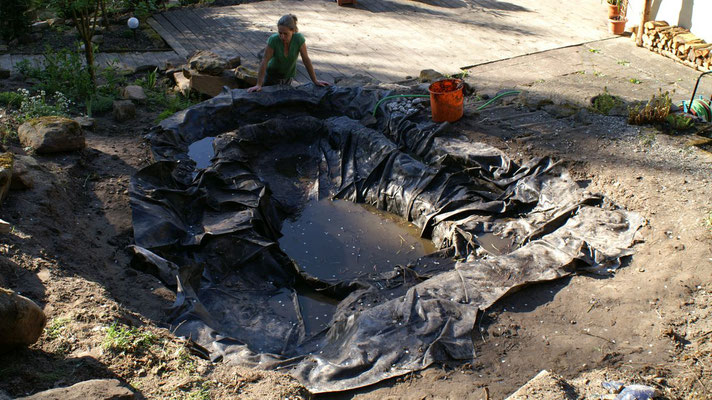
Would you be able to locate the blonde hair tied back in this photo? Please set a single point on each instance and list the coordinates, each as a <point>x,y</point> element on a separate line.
<point>289,21</point>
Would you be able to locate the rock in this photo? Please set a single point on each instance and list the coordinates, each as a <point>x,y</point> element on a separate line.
<point>234,62</point>
<point>51,134</point>
<point>21,320</point>
<point>5,73</point>
<point>245,76</point>
<point>55,21</point>
<point>23,172</point>
<point>545,386</point>
<point>124,110</point>
<point>134,93</point>
<point>97,39</point>
<point>86,123</point>
<point>5,228</point>
<point>95,389</point>
<point>6,164</point>
<point>39,26</point>
<point>174,63</point>
<point>207,62</point>
<point>182,83</point>
<point>211,85</point>
<point>430,75</point>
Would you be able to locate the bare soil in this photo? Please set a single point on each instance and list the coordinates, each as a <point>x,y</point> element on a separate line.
<point>649,323</point>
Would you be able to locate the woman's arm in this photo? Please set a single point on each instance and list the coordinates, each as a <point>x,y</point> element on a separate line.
<point>308,65</point>
<point>269,52</point>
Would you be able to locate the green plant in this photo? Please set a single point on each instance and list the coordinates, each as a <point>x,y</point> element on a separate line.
<point>39,106</point>
<point>624,63</point>
<point>144,9</point>
<point>12,99</point>
<point>201,393</point>
<point>635,81</point>
<point>99,103</point>
<point>56,327</point>
<point>61,71</point>
<point>85,14</point>
<point>594,51</point>
<point>655,111</point>
<point>708,220</point>
<point>123,339</point>
<point>605,102</point>
<point>172,103</point>
<point>679,122</point>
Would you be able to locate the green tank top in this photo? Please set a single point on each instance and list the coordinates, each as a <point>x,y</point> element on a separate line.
<point>279,66</point>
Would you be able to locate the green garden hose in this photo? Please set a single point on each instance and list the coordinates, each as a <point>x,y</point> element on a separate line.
<point>492,100</point>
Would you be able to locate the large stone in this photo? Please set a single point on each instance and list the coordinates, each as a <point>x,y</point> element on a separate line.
<point>24,172</point>
<point>124,110</point>
<point>207,62</point>
<point>182,83</point>
<point>545,386</point>
<point>51,134</point>
<point>430,75</point>
<point>95,389</point>
<point>134,93</point>
<point>86,123</point>
<point>97,39</point>
<point>246,76</point>
<point>21,320</point>
<point>211,85</point>
<point>6,164</point>
<point>39,26</point>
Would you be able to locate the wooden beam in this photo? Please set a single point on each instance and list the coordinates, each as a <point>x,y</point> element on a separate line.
<point>643,20</point>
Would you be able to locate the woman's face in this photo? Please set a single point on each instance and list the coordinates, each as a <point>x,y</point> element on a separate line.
<point>285,33</point>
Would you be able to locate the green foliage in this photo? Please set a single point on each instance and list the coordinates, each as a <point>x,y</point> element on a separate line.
<point>201,393</point>
<point>635,81</point>
<point>605,102</point>
<point>40,106</point>
<point>655,111</point>
<point>14,18</point>
<point>56,327</point>
<point>144,9</point>
<point>123,339</point>
<point>596,51</point>
<point>172,103</point>
<point>61,71</point>
<point>12,99</point>
<point>679,122</point>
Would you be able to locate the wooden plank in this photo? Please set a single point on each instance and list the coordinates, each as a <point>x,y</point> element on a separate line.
<point>247,41</point>
<point>179,21</point>
<point>226,41</point>
<point>176,32</point>
<point>168,37</point>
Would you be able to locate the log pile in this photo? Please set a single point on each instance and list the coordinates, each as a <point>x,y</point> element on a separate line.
<point>677,43</point>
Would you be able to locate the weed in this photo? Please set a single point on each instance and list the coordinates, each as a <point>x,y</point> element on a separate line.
<point>708,220</point>
<point>635,81</point>
<point>8,132</point>
<point>39,106</point>
<point>679,122</point>
<point>172,103</point>
<point>605,102</point>
<point>99,104</point>
<point>581,72</point>
<point>201,393</point>
<point>56,327</point>
<point>13,99</point>
<point>125,339</point>
<point>596,51</point>
<point>624,63</point>
<point>598,73</point>
<point>647,139</point>
<point>655,111</point>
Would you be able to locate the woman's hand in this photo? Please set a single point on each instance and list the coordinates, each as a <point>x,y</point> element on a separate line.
<point>321,83</point>
<point>255,88</point>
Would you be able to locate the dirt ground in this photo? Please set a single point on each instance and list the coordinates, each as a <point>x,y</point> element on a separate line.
<point>649,323</point>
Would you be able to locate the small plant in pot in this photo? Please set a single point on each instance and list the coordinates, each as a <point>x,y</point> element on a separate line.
<point>616,23</point>
<point>614,8</point>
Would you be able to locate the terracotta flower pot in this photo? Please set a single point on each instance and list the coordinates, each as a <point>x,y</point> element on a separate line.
<point>614,10</point>
<point>616,26</point>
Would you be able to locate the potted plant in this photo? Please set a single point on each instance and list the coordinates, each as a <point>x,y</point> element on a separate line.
<point>616,23</point>
<point>614,8</point>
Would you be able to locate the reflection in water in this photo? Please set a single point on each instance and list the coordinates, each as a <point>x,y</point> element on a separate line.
<point>202,152</point>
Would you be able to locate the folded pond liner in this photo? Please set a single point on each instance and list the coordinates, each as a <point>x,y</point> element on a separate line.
<point>212,234</point>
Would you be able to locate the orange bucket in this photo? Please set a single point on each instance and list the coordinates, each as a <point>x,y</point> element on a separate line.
<point>446,100</point>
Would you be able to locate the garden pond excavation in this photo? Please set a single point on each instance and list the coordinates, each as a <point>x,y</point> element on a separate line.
<point>568,325</point>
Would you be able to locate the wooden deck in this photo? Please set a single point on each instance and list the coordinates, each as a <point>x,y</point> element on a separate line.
<point>389,39</point>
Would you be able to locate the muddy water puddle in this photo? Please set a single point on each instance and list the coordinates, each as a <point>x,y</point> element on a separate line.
<point>343,240</point>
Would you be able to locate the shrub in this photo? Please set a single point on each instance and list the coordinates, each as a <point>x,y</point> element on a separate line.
<point>11,99</point>
<point>655,111</point>
<point>605,102</point>
<point>61,71</point>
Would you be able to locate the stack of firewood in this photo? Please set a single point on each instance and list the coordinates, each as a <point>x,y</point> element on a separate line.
<point>677,43</point>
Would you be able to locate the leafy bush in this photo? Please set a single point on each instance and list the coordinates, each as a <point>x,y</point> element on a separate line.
<point>14,18</point>
<point>655,111</point>
<point>605,102</point>
<point>61,71</point>
<point>11,99</point>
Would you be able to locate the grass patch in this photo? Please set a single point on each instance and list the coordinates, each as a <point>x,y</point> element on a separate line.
<point>124,339</point>
<point>12,99</point>
<point>56,327</point>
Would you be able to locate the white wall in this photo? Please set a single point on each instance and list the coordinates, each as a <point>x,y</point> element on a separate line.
<point>695,15</point>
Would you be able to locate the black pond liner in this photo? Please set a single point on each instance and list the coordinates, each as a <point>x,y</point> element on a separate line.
<point>212,234</point>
